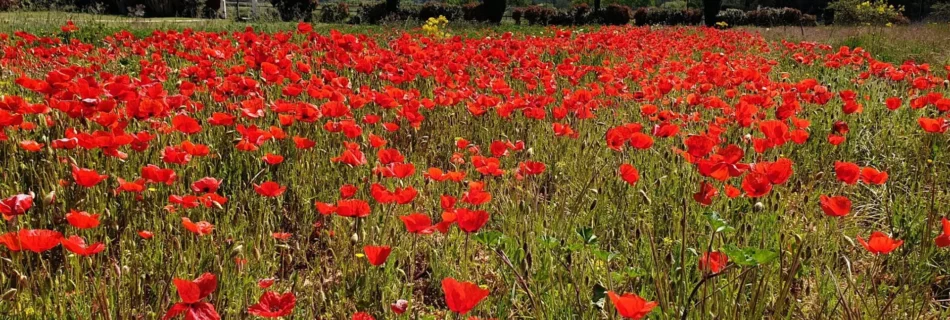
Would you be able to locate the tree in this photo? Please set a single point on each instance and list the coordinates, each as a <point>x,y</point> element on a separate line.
<point>392,5</point>
<point>710,11</point>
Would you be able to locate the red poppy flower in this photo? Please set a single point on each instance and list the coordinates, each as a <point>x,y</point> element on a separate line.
<point>266,283</point>
<point>756,185</point>
<point>377,255</point>
<point>629,174</point>
<point>476,194</point>
<point>631,306</point>
<point>471,220</point>
<point>880,243</point>
<point>272,159</point>
<point>938,125</point>
<point>362,316</point>
<point>347,191</point>
<point>269,189</point>
<point>87,177</point>
<point>77,245</point>
<point>417,223</point>
<point>145,234</point>
<point>303,143</point>
<point>82,219</point>
<point>779,171</point>
<point>206,185</point>
<point>11,241</point>
<point>200,228</point>
<point>192,293</point>
<point>847,172</point>
<point>706,193</point>
<point>153,174</point>
<point>732,192</point>
<point>713,262</point>
<point>38,240</point>
<point>31,146</point>
<point>352,208</point>
<point>531,168</point>
<point>15,205</point>
<point>943,240</point>
<point>273,305</point>
<point>462,297</point>
<point>837,206</point>
<point>399,307</point>
<point>186,124</point>
<point>893,103</point>
<point>873,176</point>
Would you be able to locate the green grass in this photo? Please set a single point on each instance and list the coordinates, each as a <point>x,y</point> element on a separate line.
<point>554,242</point>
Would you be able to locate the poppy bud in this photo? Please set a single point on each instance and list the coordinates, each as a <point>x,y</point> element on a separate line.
<point>50,198</point>
<point>758,206</point>
<point>9,295</point>
<point>355,237</point>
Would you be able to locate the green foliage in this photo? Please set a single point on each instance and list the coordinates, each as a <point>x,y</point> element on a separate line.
<point>940,12</point>
<point>295,10</point>
<point>859,12</point>
<point>674,5</point>
<point>335,12</point>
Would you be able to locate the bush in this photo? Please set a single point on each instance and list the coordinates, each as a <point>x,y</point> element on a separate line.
<point>538,15</point>
<point>6,5</point>
<point>436,9</point>
<point>334,13</point>
<point>655,16</point>
<point>673,5</point>
<point>732,17</point>
<point>878,12</point>
<point>473,12</point>
<point>770,17</point>
<point>295,10</point>
<point>809,20</point>
<point>581,13</point>
<point>516,15</point>
<point>940,12</point>
<point>616,14</point>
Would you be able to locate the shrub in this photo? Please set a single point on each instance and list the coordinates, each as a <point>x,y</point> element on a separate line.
<point>379,13</point>
<point>940,12</point>
<point>436,9</point>
<point>732,17</point>
<point>674,5</point>
<point>334,13</point>
<point>473,12</point>
<point>373,13</point>
<point>809,20</point>
<point>640,16</point>
<point>618,15</point>
<point>538,15</point>
<point>6,5</point>
<point>654,16</point>
<point>295,10</point>
<point>516,15</point>
<point>581,13</point>
<point>790,16</point>
<point>878,12</point>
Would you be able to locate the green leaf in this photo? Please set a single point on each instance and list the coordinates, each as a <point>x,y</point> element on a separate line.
<point>749,257</point>
<point>604,255</point>
<point>587,235</point>
<point>718,223</point>
<point>490,239</point>
<point>764,256</point>
<point>599,296</point>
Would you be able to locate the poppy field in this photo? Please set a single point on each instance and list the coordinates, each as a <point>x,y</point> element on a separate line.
<point>605,173</point>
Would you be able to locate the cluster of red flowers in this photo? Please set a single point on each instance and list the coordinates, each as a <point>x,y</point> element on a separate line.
<point>281,97</point>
